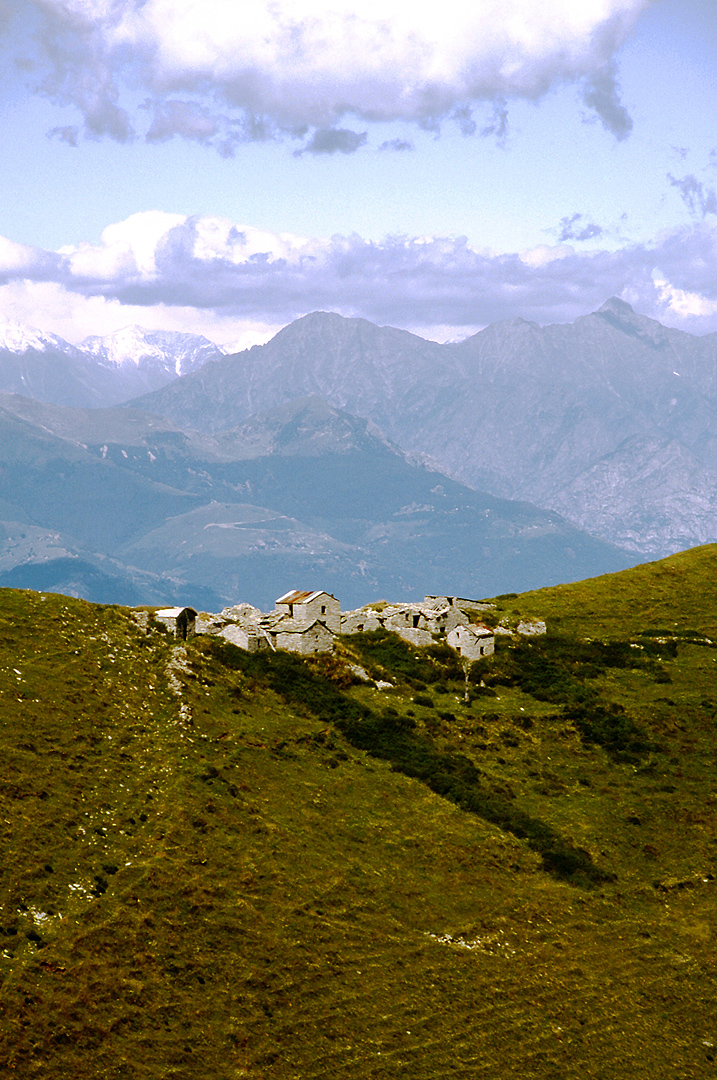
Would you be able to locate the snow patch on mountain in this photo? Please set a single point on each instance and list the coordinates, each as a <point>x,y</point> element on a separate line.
<point>19,339</point>
<point>133,346</point>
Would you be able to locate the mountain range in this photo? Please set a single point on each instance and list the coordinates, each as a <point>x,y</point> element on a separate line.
<point>358,457</point>
<point>100,371</point>
<point>302,493</point>
<point>611,421</point>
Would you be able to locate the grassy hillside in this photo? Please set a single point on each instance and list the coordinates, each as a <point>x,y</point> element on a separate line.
<point>221,866</point>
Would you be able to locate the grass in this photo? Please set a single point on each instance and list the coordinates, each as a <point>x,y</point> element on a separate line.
<point>227,866</point>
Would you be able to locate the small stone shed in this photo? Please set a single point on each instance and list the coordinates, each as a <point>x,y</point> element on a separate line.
<point>242,634</point>
<point>471,642</point>
<point>306,607</point>
<point>180,621</point>
<point>360,621</point>
<point>298,637</point>
<point>420,624</point>
<point>462,603</point>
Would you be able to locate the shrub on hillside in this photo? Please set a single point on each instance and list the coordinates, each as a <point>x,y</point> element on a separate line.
<point>385,654</point>
<point>610,727</point>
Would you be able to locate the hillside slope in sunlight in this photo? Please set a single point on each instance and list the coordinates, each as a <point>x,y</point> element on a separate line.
<point>228,865</point>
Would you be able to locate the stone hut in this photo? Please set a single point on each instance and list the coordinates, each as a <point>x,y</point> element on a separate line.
<point>306,607</point>
<point>461,603</point>
<point>420,624</point>
<point>180,621</point>
<point>243,634</point>
<point>359,621</point>
<point>471,642</point>
<point>305,638</point>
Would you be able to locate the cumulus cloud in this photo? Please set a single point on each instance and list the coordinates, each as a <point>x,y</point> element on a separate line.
<point>236,275</point>
<point>334,141</point>
<point>697,197</point>
<point>18,261</point>
<point>497,125</point>
<point>396,144</point>
<point>576,227</point>
<point>292,66</point>
<point>602,94</point>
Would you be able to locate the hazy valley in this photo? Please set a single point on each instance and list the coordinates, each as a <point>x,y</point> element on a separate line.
<point>302,492</point>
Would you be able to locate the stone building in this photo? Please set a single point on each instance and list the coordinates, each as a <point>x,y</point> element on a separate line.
<point>306,607</point>
<point>302,622</point>
<point>242,634</point>
<point>179,621</point>
<point>461,603</point>
<point>420,624</point>
<point>298,637</point>
<point>472,641</point>
<point>360,621</point>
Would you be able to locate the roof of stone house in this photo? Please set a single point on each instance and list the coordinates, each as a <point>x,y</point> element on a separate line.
<point>174,612</point>
<point>477,629</point>
<point>418,608</point>
<point>286,625</point>
<point>295,596</point>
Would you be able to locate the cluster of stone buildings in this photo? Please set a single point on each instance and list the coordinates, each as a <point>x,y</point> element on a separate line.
<point>309,622</point>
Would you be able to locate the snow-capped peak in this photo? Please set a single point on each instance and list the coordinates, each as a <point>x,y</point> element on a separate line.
<point>134,346</point>
<point>16,338</point>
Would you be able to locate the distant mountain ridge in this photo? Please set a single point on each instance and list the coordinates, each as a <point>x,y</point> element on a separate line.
<point>100,371</point>
<point>611,420</point>
<point>305,493</point>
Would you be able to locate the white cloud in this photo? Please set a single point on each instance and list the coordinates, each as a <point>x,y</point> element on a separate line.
<point>544,254</point>
<point>18,260</point>
<point>128,249</point>
<point>685,305</point>
<point>214,276</point>
<point>73,316</point>
<point>275,66</point>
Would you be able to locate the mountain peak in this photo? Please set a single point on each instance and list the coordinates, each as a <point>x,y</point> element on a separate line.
<point>16,338</point>
<point>135,346</point>
<point>616,306</point>
<point>624,318</point>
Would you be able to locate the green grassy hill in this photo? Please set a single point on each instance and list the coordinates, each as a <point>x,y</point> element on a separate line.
<point>219,865</point>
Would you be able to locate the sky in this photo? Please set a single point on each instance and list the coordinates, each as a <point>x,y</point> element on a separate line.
<point>225,167</point>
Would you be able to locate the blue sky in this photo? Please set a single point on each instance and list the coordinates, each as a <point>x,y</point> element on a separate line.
<point>215,168</point>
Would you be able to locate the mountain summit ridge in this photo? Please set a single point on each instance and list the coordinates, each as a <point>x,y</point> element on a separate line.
<point>584,418</point>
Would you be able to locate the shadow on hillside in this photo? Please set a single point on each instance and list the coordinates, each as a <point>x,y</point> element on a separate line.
<point>395,739</point>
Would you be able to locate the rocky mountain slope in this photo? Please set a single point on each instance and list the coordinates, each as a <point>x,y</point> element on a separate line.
<point>225,866</point>
<point>611,420</point>
<point>100,371</point>
<point>305,493</point>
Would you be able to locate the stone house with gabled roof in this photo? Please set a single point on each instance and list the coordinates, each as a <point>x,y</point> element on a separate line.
<point>305,638</point>
<point>179,621</point>
<point>471,642</point>
<point>306,607</point>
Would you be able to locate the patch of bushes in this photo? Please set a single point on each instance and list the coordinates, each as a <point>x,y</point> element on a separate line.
<point>456,778</point>
<point>383,652</point>
<point>609,726</point>
<point>396,739</point>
